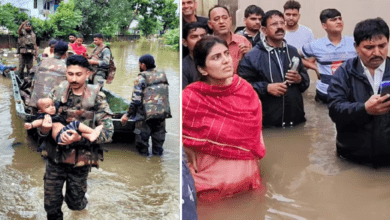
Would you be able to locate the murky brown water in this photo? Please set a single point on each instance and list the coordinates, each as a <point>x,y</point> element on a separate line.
<point>127,185</point>
<point>303,178</point>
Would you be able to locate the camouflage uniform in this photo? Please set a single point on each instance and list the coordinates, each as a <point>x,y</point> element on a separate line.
<point>50,73</point>
<point>149,108</point>
<point>70,163</point>
<point>103,55</point>
<point>27,44</point>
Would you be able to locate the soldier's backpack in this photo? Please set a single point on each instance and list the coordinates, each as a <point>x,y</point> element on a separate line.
<point>111,67</point>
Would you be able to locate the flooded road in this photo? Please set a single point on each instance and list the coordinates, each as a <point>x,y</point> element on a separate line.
<point>126,186</point>
<point>304,179</point>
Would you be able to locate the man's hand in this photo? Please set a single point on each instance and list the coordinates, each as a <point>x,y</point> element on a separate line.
<point>124,119</point>
<point>46,124</point>
<point>293,77</point>
<point>191,157</point>
<point>69,139</point>
<point>277,89</point>
<point>377,105</point>
<point>244,48</point>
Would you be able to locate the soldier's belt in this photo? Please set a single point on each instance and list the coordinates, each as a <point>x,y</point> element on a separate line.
<point>26,50</point>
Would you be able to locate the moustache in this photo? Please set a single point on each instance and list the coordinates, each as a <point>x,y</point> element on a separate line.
<point>377,57</point>
<point>74,83</point>
<point>279,31</point>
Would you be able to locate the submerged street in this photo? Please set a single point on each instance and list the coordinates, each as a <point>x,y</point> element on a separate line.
<point>127,185</point>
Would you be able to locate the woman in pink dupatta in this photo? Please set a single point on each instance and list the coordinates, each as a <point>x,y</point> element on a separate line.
<point>222,125</point>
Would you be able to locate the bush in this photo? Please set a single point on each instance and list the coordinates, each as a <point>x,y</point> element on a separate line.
<point>44,29</point>
<point>11,18</point>
<point>66,18</point>
<point>172,37</point>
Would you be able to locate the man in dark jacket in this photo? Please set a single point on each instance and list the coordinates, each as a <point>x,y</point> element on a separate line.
<point>269,68</point>
<point>361,114</point>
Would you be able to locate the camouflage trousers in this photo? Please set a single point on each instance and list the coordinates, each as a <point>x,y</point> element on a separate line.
<point>154,128</point>
<point>76,187</point>
<point>25,60</point>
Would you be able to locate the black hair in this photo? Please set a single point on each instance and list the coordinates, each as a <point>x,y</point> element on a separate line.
<point>80,36</point>
<point>98,35</point>
<point>253,9</point>
<point>72,35</point>
<point>189,27</point>
<point>269,15</point>
<point>78,60</point>
<point>51,42</point>
<point>202,49</point>
<point>328,13</point>
<point>219,6</point>
<point>291,4</point>
<point>60,47</point>
<point>369,28</point>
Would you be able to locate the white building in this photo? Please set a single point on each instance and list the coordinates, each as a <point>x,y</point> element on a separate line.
<point>36,8</point>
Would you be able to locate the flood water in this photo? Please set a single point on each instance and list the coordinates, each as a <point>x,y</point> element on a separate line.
<point>127,185</point>
<point>303,178</point>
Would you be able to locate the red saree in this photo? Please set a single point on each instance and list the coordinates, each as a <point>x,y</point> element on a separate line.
<point>223,121</point>
<point>223,126</point>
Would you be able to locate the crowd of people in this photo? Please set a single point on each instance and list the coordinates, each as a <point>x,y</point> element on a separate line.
<point>255,78</point>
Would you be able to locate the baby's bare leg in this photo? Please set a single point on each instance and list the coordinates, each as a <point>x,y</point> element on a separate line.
<point>56,128</point>
<point>89,133</point>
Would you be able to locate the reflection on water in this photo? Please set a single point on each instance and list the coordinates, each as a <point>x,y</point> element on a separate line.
<point>127,185</point>
<point>303,178</point>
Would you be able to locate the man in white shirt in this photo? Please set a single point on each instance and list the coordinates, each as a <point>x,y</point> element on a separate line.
<point>297,35</point>
<point>361,113</point>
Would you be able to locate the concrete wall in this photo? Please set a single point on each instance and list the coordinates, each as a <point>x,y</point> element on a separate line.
<point>352,11</point>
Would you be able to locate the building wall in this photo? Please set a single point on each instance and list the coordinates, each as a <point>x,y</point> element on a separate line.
<point>352,11</point>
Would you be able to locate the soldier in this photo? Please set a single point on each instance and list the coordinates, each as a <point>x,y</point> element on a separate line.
<point>149,107</point>
<point>50,73</point>
<point>100,59</point>
<point>70,162</point>
<point>27,47</point>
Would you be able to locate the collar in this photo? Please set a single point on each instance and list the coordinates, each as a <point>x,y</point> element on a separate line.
<point>299,26</point>
<point>234,37</point>
<point>380,68</point>
<point>196,17</point>
<point>57,57</point>
<point>328,42</point>
<point>247,34</point>
<point>268,47</point>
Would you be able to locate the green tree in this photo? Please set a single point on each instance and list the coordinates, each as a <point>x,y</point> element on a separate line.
<point>106,17</point>
<point>11,18</point>
<point>67,19</point>
<point>44,29</point>
<point>172,37</point>
<point>153,11</point>
<point>166,9</point>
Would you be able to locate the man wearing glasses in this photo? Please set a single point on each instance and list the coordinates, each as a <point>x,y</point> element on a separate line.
<point>276,72</point>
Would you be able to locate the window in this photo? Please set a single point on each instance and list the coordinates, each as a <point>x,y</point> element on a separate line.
<point>35,3</point>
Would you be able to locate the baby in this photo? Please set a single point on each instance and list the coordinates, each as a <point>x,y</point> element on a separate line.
<point>46,106</point>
